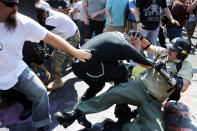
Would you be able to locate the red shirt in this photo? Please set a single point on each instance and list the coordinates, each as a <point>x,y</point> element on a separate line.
<point>179,13</point>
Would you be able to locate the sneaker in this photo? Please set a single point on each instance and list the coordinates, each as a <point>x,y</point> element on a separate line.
<point>57,83</point>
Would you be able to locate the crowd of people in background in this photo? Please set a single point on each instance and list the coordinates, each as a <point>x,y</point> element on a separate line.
<point>78,21</point>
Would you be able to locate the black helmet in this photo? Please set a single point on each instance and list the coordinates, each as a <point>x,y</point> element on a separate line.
<point>180,45</point>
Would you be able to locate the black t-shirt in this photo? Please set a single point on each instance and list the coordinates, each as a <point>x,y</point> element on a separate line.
<point>150,12</point>
<point>112,46</point>
<point>27,51</point>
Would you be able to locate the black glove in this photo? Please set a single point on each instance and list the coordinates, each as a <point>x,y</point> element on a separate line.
<point>160,65</point>
<point>178,86</point>
<point>176,82</point>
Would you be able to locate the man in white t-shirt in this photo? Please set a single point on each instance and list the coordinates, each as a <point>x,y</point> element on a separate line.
<point>77,9</point>
<point>68,30</point>
<point>42,3</point>
<point>15,29</point>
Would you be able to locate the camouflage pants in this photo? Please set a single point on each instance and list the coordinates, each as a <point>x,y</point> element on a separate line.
<point>60,56</point>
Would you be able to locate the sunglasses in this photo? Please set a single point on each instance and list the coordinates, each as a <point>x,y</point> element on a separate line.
<point>10,4</point>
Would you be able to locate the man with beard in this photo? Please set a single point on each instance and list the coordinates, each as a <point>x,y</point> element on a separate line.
<point>15,29</point>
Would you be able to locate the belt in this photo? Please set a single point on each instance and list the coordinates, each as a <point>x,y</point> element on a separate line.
<point>77,32</point>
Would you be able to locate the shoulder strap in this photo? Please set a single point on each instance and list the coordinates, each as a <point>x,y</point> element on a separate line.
<point>176,94</point>
<point>178,66</point>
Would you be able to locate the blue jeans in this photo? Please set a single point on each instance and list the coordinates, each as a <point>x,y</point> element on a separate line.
<point>29,84</point>
<point>153,34</point>
<point>173,32</point>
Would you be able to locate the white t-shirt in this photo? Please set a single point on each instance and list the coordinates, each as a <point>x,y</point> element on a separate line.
<point>76,16</point>
<point>11,63</point>
<point>79,7</point>
<point>44,4</point>
<point>64,26</point>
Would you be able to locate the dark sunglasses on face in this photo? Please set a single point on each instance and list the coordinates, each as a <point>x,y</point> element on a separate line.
<point>10,4</point>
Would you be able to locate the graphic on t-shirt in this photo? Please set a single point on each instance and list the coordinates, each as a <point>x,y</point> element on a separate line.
<point>152,12</point>
<point>1,46</point>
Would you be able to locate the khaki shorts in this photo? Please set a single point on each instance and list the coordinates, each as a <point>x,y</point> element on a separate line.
<point>109,28</point>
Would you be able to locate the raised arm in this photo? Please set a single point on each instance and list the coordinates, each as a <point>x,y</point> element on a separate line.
<point>137,17</point>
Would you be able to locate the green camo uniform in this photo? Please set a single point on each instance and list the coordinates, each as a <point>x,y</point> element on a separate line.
<point>60,56</point>
<point>137,92</point>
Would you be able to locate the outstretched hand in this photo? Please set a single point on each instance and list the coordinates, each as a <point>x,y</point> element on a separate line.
<point>82,54</point>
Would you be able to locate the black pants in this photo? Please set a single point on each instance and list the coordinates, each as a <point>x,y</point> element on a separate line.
<point>96,74</point>
<point>161,38</point>
<point>94,26</point>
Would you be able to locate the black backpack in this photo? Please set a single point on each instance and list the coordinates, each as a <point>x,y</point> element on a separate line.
<point>38,54</point>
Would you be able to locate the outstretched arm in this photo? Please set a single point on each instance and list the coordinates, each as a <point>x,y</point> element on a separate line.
<point>60,43</point>
<point>137,17</point>
<point>146,44</point>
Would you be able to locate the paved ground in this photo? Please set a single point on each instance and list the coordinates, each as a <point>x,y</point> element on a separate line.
<point>181,117</point>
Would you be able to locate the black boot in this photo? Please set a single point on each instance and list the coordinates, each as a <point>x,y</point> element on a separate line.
<point>66,119</point>
<point>83,121</point>
<point>110,125</point>
<point>124,114</point>
<point>44,128</point>
<point>126,118</point>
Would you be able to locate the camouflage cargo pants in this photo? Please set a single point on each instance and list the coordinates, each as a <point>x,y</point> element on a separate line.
<point>60,56</point>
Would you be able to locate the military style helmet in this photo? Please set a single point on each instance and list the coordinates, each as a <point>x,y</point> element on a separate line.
<point>180,45</point>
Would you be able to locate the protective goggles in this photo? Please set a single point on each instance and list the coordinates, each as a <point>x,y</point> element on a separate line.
<point>10,4</point>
